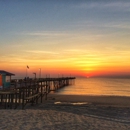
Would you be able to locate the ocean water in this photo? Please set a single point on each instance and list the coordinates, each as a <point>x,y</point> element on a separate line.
<point>98,86</point>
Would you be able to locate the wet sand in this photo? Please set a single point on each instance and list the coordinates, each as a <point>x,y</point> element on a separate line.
<point>98,100</point>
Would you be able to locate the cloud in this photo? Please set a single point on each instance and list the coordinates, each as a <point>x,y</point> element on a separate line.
<point>47,33</point>
<point>73,50</point>
<point>104,4</point>
<point>108,24</point>
<point>41,52</point>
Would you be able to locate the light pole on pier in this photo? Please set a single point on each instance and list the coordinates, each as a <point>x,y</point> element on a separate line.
<point>39,72</point>
<point>35,75</point>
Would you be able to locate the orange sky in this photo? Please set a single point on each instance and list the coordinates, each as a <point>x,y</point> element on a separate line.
<point>65,66</point>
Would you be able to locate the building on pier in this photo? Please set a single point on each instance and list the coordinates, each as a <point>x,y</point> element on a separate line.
<point>5,79</point>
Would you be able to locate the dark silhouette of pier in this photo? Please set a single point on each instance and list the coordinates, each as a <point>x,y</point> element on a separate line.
<point>24,91</point>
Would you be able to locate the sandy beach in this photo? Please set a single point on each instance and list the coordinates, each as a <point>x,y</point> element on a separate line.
<point>70,112</point>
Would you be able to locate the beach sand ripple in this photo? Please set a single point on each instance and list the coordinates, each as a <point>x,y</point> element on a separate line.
<point>50,116</point>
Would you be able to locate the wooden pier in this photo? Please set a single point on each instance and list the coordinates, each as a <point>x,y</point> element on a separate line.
<point>22,92</point>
